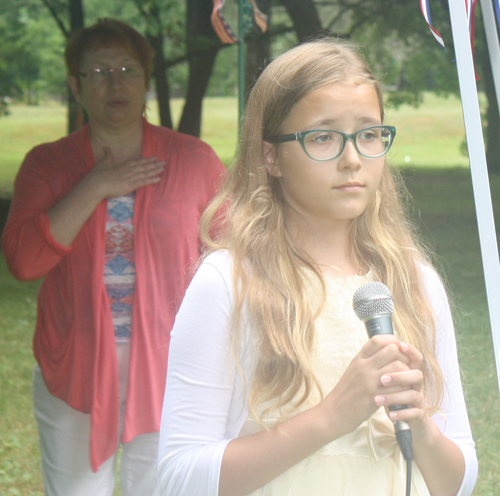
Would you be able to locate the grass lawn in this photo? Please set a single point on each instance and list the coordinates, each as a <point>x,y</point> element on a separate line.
<point>429,136</point>
<point>442,204</point>
<point>27,127</point>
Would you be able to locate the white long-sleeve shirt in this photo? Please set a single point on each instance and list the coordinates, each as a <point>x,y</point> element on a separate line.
<point>206,404</point>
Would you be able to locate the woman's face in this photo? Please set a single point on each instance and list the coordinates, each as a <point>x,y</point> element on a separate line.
<point>116,101</point>
<point>337,190</point>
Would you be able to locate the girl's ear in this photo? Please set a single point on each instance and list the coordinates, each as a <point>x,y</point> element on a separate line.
<point>271,159</point>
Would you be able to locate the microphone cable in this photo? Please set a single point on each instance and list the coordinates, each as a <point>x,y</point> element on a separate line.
<point>405,442</point>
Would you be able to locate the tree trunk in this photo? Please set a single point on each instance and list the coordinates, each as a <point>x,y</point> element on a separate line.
<point>492,117</point>
<point>257,49</point>
<point>304,17</point>
<point>258,44</point>
<point>159,76</point>
<point>203,46</point>
<point>76,17</point>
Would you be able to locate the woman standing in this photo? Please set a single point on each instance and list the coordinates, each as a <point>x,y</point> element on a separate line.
<point>109,217</point>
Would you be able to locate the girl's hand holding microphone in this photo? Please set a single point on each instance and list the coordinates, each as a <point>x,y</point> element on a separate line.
<point>354,399</point>
<point>406,388</point>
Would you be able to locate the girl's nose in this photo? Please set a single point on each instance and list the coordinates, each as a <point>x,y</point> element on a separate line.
<point>349,158</point>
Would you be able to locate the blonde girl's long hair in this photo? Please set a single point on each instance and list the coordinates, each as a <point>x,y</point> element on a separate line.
<point>247,218</point>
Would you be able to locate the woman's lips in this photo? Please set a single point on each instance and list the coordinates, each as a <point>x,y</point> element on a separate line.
<point>118,103</point>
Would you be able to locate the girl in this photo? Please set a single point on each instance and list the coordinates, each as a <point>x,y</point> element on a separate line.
<point>273,387</point>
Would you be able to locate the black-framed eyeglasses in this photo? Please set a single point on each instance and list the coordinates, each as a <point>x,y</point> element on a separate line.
<point>325,144</point>
<point>99,75</point>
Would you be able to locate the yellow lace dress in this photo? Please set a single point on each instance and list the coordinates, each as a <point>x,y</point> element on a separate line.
<point>366,461</point>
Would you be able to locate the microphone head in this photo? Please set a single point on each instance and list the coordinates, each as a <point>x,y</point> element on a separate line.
<point>373,298</point>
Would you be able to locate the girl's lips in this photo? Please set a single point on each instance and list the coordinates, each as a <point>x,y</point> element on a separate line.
<point>350,187</point>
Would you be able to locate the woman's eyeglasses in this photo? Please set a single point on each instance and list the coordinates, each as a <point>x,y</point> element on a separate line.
<point>98,75</point>
<point>321,144</point>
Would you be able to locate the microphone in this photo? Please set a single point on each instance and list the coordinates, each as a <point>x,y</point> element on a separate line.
<point>373,305</point>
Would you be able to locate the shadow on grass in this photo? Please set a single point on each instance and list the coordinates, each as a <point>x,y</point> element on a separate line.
<point>4,210</point>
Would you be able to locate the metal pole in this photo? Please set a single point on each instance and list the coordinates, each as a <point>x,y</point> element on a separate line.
<point>241,62</point>
<point>479,171</point>
<point>492,41</point>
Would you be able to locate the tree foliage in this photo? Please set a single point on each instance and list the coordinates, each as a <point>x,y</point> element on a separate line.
<point>403,53</point>
<point>30,62</point>
<point>189,61</point>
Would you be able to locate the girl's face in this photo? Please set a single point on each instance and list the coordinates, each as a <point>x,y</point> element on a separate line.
<point>337,190</point>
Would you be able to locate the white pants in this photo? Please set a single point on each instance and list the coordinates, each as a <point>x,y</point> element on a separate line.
<point>65,447</point>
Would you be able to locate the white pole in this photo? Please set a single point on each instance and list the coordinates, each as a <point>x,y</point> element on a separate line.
<point>479,171</point>
<point>492,41</point>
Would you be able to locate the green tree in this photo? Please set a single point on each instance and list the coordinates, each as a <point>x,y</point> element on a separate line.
<point>420,64</point>
<point>404,55</point>
<point>189,60</point>
<point>26,63</point>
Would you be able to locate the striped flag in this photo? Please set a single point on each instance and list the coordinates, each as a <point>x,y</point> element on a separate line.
<point>260,18</point>
<point>223,29</point>
<point>470,6</point>
<point>424,7</point>
<point>220,24</point>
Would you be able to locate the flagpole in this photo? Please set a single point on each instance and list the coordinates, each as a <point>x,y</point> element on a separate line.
<point>241,63</point>
<point>492,41</point>
<point>479,171</point>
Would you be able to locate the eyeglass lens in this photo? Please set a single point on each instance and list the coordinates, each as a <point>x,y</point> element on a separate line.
<point>122,72</point>
<point>325,145</point>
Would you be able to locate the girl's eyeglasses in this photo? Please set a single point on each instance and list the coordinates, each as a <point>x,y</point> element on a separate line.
<point>321,144</point>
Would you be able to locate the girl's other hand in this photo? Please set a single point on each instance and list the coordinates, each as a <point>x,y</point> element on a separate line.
<point>352,400</point>
<point>406,388</point>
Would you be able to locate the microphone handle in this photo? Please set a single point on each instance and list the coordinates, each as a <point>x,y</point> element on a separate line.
<point>382,324</point>
<point>375,326</point>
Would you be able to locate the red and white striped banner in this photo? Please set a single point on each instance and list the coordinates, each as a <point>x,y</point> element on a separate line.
<point>260,18</point>
<point>470,6</point>
<point>223,29</point>
<point>424,7</point>
<point>220,24</point>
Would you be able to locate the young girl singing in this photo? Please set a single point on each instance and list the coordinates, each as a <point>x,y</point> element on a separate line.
<point>273,386</point>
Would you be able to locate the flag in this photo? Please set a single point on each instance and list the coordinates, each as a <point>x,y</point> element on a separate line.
<point>424,7</point>
<point>220,24</point>
<point>224,31</point>
<point>260,18</point>
<point>470,6</point>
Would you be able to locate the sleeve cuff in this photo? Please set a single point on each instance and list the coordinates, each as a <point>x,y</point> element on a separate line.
<point>43,225</point>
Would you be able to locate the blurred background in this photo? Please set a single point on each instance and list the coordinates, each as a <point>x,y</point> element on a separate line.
<point>194,90</point>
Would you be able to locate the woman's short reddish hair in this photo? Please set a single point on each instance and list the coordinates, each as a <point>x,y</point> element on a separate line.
<point>105,33</point>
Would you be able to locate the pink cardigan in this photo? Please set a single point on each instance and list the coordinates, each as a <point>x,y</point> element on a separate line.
<point>74,341</point>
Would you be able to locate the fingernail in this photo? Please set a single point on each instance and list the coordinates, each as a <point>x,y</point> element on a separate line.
<point>404,346</point>
<point>379,400</point>
<point>386,379</point>
<point>393,415</point>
